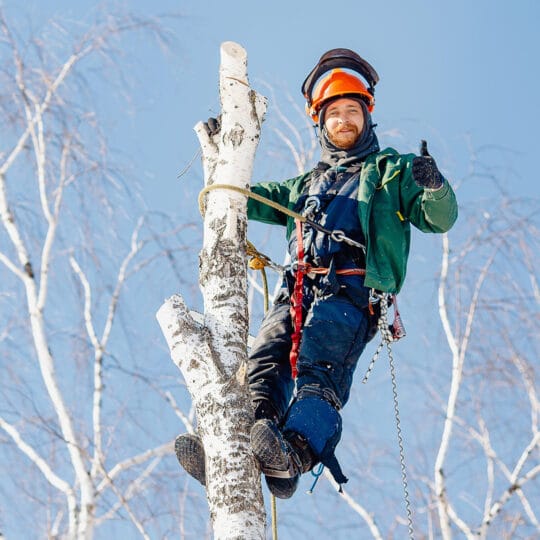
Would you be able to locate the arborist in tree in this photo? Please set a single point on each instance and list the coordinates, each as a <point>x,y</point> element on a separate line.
<point>358,204</point>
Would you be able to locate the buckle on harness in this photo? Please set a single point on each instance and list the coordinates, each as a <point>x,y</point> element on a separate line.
<point>311,206</point>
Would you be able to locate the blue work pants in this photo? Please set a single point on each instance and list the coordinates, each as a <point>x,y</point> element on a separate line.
<point>336,329</point>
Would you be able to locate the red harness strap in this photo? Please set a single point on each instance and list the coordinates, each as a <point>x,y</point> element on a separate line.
<point>298,293</point>
<point>296,298</point>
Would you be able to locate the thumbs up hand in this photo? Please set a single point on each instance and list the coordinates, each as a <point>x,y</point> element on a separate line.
<point>425,171</point>
<point>423,149</point>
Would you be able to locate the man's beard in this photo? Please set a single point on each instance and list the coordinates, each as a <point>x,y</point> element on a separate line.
<point>345,137</point>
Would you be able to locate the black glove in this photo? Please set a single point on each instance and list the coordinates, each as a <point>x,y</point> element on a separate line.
<point>212,126</point>
<point>424,170</point>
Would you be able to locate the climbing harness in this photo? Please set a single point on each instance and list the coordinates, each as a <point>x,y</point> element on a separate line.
<point>302,268</point>
<point>296,300</point>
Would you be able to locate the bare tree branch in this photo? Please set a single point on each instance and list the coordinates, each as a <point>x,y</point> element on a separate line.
<point>356,507</point>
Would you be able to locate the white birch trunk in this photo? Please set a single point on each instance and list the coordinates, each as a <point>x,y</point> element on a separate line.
<point>213,356</point>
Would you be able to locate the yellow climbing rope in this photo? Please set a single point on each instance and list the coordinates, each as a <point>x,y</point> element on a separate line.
<point>336,235</point>
<point>259,262</point>
<point>274,517</point>
<point>248,193</point>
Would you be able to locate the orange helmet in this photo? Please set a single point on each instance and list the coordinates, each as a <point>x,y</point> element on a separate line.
<point>338,83</point>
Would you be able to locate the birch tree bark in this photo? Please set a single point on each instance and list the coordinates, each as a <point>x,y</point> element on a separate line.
<point>212,356</point>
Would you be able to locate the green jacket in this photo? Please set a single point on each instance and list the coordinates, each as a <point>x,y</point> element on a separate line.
<point>388,202</point>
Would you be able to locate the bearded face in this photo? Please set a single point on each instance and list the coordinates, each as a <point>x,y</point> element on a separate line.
<point>344,122</point>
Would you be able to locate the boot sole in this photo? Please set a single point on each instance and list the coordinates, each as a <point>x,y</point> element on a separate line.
<point>190,454</point>
<point>268,447</point>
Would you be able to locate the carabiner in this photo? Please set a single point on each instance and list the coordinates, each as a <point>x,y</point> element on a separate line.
<point>311,206</point>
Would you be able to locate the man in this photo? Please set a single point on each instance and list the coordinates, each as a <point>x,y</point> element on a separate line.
<point>303,359</point>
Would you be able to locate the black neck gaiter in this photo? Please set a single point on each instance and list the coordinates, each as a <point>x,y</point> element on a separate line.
<point>367,143</point>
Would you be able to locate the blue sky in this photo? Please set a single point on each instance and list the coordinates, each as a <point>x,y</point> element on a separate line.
<point>461,74</point>
<point>451,72</point>
<point>456,73</point>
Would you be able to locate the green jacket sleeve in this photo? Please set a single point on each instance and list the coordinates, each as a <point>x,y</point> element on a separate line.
<point>284,193</point>
<point>428,210</point>
<point>389,202</point>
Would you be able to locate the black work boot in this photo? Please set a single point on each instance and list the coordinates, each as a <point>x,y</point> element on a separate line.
<point>190,454</point>
<point>278,458</point>
<point>303,450</point>
<point>284,488</point>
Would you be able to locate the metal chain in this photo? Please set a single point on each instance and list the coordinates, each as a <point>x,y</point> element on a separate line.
<point>382,325</point>
<point>311,207</point>
<point>400,444</point>
<point>339,236</point>
<point>388,338</point>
